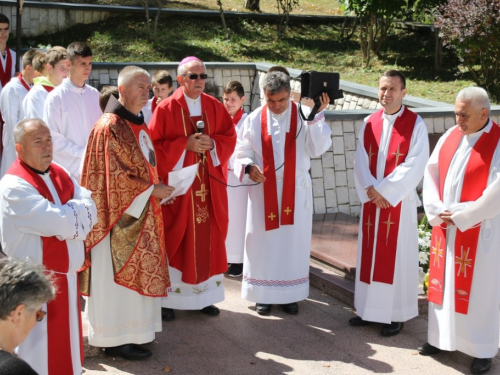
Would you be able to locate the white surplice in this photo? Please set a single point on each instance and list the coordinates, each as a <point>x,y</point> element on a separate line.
<point>397,302</point>
<point>183,296</point>
<point>25,217</point>
<point>33,103</point>
<point>476,333</point>
<point>71,112</point>
<point>118,315</point>
<point>11,99</point>
<point>276,262</point>
<point>237,198</point>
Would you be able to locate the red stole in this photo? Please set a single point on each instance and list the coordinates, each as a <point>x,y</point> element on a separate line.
<point>474,183</point>
<point>237,117</point>
<point>154,103</point>
<point>270,186</point>
<point>48,88</point>
<point>6,75</point>
<point>55,258</point>
<point>388,228</point>
<point>23,82</point>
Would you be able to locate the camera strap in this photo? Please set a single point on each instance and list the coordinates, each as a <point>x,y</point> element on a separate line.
<point>314,110</point>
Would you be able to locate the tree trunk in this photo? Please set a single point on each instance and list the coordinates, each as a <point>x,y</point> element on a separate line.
<point>252,5</point>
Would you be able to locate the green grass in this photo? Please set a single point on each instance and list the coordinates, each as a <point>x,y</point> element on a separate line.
<point>307,46</point>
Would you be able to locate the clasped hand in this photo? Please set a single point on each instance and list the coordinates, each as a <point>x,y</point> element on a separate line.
<point>376,198</point>
<point>199,142</point>
<point>446,217</point>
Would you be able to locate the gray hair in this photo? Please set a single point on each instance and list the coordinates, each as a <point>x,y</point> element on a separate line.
<point>23,283</point>
<point>20,128</point>
<point>127,74</point>
<point>477,96</point>
<point>183,69</point>
<point>276,82</point>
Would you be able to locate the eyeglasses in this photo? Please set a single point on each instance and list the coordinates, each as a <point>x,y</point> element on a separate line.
<point>40,315</point>
<point>195,76</point>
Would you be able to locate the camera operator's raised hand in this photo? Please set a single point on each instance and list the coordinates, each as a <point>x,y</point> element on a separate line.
<point>325,100</point>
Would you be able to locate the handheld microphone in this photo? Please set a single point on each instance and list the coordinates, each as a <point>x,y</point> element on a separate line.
<point>201,126</point>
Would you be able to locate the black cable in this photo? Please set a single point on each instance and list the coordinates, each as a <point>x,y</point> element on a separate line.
<point>237,186</point>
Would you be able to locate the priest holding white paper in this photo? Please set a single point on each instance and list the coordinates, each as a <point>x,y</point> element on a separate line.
<point>461,190</point>
<point>275,147</point>
<point>390,158</point>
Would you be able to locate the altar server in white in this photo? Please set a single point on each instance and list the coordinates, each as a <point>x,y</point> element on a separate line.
<point>461,190</point>
<point>55,71</point>
<point>237,193</point>
<point>274,147</point>
<point>390,158</point>
<point>11,99</point>
<point>45,217</point>
<point>72,109</point>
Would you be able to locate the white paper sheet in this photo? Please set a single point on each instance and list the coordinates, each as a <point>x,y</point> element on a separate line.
<point>181,180</point>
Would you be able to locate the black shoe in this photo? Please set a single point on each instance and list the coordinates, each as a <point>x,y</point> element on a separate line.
<point>132,352</point>
<point>480,365</point>
<point>358,322</point>
<point>210,310</point>
<point>428,349</point>
<point>291,308</point>
<point>167,314</point>
<point>235,270</point>
<point>263,308</point>
<point>392,329</point>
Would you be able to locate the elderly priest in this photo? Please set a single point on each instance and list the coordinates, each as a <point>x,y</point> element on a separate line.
<point>45,217</point>
<point>461,190</point>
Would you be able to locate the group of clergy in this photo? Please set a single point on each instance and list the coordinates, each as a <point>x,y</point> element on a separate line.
<point>86,195</point>
<point>461,184</point>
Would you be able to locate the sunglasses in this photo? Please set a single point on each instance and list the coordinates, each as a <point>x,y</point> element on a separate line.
<point>195,76</point>
<point>40,315</point>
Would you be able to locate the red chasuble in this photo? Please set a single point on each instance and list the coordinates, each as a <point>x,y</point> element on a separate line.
<point>388,228</point>
<point>55,258</point>
<point>203,209</point>
<point>270,186</point>
<point>474,183</point>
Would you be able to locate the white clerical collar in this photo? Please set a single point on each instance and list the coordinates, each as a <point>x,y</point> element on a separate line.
<point>194,105</point>
<point>76,89</point>
<point>394,116</point>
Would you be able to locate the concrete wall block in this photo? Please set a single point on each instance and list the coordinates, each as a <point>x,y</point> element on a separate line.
<point>79,16</point>
<point>44,19</point>
<point>316,168</point>
<point>34,13</point>
<point>347,98</point>
<point>104,78</point>
<point>350,141</point>
<point>94,74</point>
<point>331,199</point>
<point>9,12</point>
<point>438,125</point>
<point>352,105</point>
<point>339,162</point>
<point>329,178</point>
<point>327,160</point>
<point>342,195</point>
<point>34,28</point>
<point>332,210</point>
<point>235,77</point>
<point>341,178</point>
<point>226,72</point>
<point>218,76</point>
<point>25,17</point>
<point>72,18</point>
<point>53,26</point>
<point>96,17</point>
<point>449,122</point>
<point>319,206</point>
<point>348,126</point>
<point>113,73</point>
<point>353,196</point>
<point>429,124</point>
<point>344,208</point>
<point>356,211</point>
<point>338,145</point>
<point>245,81</point>
<point>336,127</point>
<point>373,105</point>
<point>61,19</point>
<point>349,159</point>
<point>350,178</point>
<point>366,103</point>
<point>87,17</point>
<point>357,127</point>
<point>244,73</point>
<point>318,187</point>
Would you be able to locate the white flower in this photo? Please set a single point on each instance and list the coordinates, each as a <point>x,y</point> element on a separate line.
<point>423,257</point>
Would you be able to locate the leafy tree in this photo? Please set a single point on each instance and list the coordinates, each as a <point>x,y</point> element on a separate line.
<point>375,18</point>
<point>284,9</point>
<point>471,28</point>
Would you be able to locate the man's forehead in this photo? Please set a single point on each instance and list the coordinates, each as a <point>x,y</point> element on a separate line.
<point>4,26</point>
<point>390,81</point>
